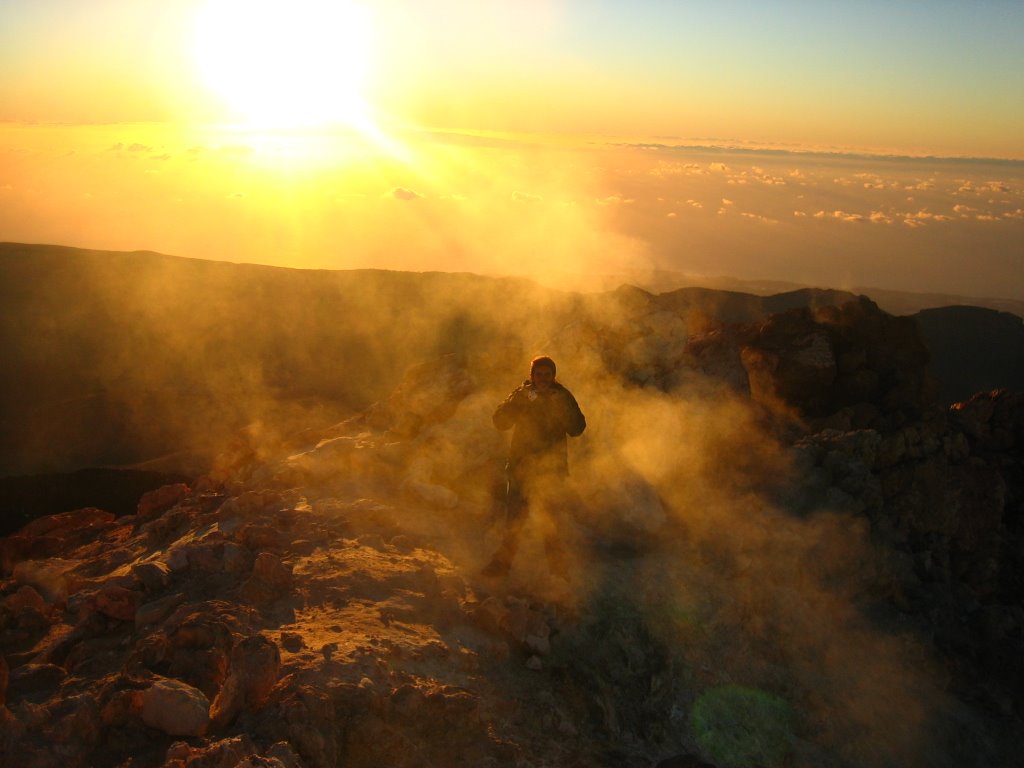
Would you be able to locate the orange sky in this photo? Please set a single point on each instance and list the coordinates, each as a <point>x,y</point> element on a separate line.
<point>507,136</point>
<point>938,78</point>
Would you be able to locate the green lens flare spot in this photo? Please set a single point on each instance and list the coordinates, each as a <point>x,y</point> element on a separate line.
<point>743,727</point>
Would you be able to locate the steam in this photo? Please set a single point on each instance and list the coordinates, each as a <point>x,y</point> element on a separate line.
<point>684,497</point>
<point>678,490</point>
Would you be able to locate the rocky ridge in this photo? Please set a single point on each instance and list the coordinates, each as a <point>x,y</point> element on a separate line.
<point>784,555</point>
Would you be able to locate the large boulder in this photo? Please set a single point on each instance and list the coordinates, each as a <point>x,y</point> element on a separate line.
<point>176,708</point>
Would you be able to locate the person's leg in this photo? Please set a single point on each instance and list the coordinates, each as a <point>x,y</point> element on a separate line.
<point>515,517</point>
<point>558,510</point>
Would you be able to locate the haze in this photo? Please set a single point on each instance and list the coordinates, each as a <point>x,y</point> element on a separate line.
<point>822,144</point>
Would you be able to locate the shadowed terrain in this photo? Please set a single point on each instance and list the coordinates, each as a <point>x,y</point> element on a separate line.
<point>130,358</point>
<point>778,547</point>
<point>778,551</point>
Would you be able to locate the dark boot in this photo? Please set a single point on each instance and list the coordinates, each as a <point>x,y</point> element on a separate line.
<point>501,562</point>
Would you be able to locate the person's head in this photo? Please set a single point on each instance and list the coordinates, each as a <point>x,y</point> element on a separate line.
<point>542,372</point>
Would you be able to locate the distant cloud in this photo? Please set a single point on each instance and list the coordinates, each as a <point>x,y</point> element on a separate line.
<point>525,197</point>
<point>676,169</point>
<point>236,196</point>
<point>870,180</point>
<point>850,218</point>
<point>963,209</point>
<point>796,173</point>
<point>139,148</point>
<point>401,193</point>
<point>615,200</point>
<point>164,156</point>
<point>994,186</point>
<point>695,203</point>
<point>986,217</point>
<point>911,219</point>
<point>726,201</point>
<point>989,187</point>
<point>800,214</point>
<point>924,216</point>
<point>758,217</point>
<point>719,167</point>
<point>670,215</point>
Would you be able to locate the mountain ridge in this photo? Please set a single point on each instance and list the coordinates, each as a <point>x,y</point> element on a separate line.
<point>125,345</point>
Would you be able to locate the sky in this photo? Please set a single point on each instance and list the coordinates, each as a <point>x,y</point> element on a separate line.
<point>840,144</point>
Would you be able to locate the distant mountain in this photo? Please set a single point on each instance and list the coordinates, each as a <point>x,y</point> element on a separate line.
<point>119,359</point>
<point>669,281</point>
<point>972,350</point>
<point>906,303</point>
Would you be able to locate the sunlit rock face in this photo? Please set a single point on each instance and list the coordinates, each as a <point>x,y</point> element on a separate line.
<point>782,556</point>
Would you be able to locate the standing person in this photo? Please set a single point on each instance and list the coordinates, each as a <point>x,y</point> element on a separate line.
<point>541,412</point>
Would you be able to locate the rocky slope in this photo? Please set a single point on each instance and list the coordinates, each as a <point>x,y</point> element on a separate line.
<point>781,554</point>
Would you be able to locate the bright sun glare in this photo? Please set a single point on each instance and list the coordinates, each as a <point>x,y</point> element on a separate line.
<point>287,62</point>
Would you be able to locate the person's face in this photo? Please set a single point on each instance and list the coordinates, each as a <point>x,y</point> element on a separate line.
<point>542,377</point>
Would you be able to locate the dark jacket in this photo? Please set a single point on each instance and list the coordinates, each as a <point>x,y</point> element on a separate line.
<point>541,421</point>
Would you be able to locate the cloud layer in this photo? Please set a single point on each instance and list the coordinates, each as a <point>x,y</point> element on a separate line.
<point>523,206</point>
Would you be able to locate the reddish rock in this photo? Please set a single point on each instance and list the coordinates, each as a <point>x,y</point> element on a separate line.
<point>87,517</point>
<point>121,707</point>
<point>51,578</point>
<point>261,537</point>
<point>226,753</point>
<point>75,721</point>
<point>254,669</point>
<point>270,579</point>
<point>117,602</point>
<point>25,598</point>
<point>175,708</point>
<point>18,548</point>
<point>153,575</point>
<point>158,610</point>
<point>305,718</point>
<point>156,502</point>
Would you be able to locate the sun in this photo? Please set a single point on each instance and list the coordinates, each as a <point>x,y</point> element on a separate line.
<point>285,63</point>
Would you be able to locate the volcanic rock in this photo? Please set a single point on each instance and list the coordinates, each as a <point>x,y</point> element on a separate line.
<point>175,708</point>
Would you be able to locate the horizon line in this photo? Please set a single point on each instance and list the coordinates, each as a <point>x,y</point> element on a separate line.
<point>656,143</point>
